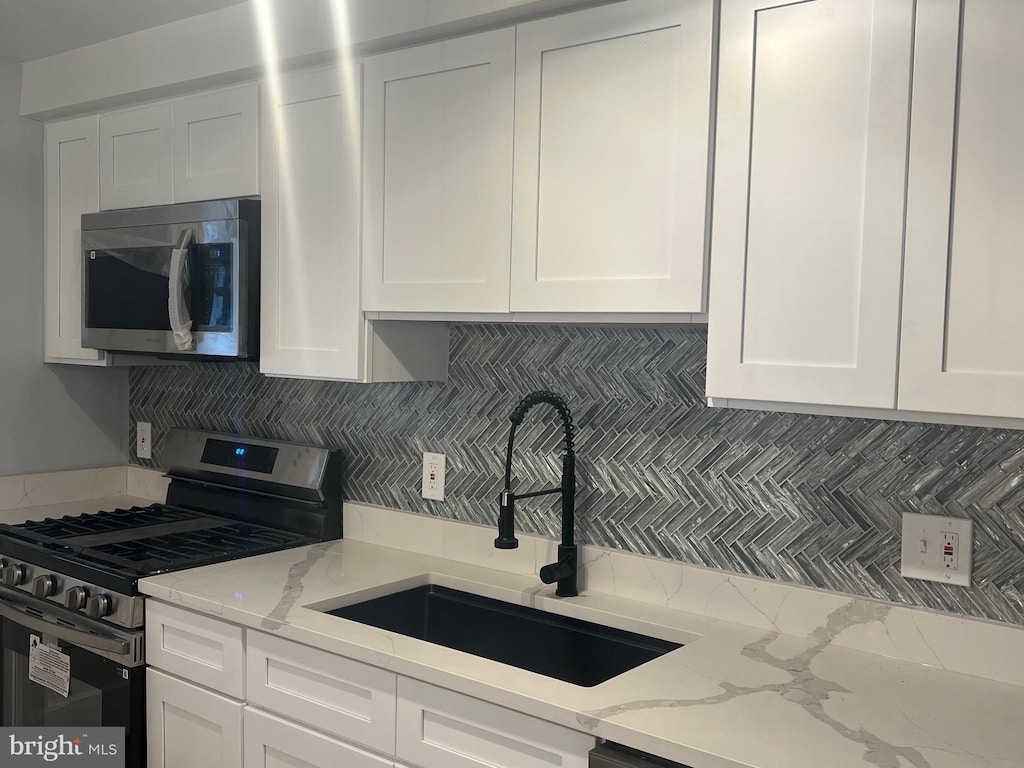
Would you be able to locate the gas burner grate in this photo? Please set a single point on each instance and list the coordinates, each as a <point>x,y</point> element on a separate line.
<point>92,523</point>
<point>192,548</point>
<point>142,541</point>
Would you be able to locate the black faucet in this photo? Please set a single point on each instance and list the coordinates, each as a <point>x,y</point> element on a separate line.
<point>563,571</point>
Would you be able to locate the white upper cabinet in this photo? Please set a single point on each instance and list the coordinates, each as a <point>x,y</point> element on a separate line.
<point>438,175</point>
<point>72,188</point>
<point>962,348</point>
<point>200,148</point>
<point>612,114</point>
<point>310,323</point>
<point>217,145</point>
<point>810,176</point>
<point>136,157</point>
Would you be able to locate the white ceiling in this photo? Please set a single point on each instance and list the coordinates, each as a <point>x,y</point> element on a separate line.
<point>34,29</point>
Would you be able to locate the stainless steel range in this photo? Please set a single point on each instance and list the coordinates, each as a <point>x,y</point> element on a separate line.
<point>71,616</point>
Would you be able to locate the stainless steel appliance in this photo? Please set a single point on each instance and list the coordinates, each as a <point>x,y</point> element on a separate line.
<point>70,585</point>
<point>173,280</point>
<point>610,755</point>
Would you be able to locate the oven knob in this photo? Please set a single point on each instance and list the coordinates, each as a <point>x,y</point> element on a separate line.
<point>75,598</point>
<point>14,575</point>
<point>45,585</point>
<point>98,606</point>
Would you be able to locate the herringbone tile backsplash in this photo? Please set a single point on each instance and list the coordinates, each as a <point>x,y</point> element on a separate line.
<point>807,499</point>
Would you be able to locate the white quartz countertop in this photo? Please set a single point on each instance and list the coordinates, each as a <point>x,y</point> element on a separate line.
<point>732,696</point>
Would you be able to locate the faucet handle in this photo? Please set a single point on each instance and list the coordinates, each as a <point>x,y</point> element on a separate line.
<point>563,571</point>
<point>506,521</point>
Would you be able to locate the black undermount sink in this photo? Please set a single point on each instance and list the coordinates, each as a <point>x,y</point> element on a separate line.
<point>573,650</point>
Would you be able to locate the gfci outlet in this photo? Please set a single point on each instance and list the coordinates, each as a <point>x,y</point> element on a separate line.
<point>433,476</point>
<point>937,548</point>
<point>143,440</point>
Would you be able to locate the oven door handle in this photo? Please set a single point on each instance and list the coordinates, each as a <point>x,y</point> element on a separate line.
<point>67,634</point>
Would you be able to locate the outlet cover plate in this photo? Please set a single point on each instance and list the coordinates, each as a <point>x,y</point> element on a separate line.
<point>937,548</point>
<point>144,440</point>
<point>433,476</point>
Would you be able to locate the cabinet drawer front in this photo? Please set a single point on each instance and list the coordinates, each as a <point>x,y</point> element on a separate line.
<point>339,696</point>
<point>187,726</point>
<point>438,728</point>
<point>198,648</point>
<point>271,742</point>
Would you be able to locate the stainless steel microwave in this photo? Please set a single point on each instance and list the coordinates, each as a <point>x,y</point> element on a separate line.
<point>175,280</point>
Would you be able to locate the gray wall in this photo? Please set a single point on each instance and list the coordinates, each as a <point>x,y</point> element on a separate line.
<point>807,499</point>
<point>51,417</point>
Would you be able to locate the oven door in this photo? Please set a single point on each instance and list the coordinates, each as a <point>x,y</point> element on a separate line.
<point>103,686</point>
<point>131,279</point>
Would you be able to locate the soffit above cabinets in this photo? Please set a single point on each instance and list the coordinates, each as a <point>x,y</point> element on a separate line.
<point>44,28</point>
<point>226,45</point>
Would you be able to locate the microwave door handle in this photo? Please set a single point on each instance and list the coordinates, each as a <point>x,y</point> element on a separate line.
<point>72,636</point>
<point>177,308</point>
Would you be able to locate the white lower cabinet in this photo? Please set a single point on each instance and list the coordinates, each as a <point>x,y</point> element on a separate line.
<point>195,647</point>
<point>271,742</point>
<point>438,728</point>
<point>337,695</point>
<point>308,708</point>
<point>188,726</point>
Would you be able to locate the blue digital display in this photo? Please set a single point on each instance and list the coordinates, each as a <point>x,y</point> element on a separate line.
<point>252,458</point>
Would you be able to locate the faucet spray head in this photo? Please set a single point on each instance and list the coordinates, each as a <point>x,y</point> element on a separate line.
<point>506,521</point>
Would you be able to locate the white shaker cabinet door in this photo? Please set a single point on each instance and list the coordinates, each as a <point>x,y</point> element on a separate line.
<point>72,186</point>
<point>962,348</point>
<point>438,175</point>
<point>612,117</point>
<point>438,728</point>
<point>190,727</point>
<point>340,696</point>
<point>274,743</point>
<point>810,177</point>
<point>310,320</point>
<point>217,145</point>
<point>136,157</point>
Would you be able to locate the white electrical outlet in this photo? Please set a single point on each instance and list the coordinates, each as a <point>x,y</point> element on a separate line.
<point>937,548</point>
<point>143,440</point>
<point>433,476</point>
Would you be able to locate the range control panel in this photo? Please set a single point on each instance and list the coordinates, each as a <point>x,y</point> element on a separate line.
<point>80,596</point>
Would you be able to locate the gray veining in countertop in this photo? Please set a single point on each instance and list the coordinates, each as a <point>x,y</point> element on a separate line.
<point>733,696</point>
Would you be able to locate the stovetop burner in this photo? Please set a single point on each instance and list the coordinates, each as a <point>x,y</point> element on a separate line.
<point>228,497</point>
<point>143,541</point>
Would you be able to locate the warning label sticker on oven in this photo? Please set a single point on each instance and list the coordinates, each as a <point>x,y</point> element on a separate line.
<point>48,666</point>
